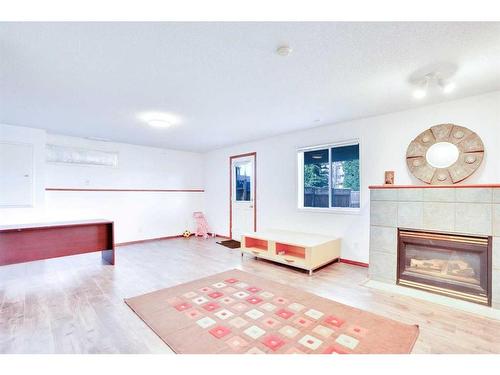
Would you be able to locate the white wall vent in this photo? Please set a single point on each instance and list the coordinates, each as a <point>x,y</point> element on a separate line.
<point>72,155</point>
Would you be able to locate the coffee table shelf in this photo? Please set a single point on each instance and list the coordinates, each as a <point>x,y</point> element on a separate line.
<point>302,250</point>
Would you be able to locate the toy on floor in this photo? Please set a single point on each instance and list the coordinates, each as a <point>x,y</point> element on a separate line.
<point>202,228</point>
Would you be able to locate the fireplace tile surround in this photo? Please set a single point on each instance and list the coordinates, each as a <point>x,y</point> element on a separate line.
<point>461,209</point>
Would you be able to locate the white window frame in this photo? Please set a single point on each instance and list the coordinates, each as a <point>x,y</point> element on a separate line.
<point>300,178</point>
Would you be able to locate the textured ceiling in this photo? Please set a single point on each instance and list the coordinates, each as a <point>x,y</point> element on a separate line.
<point>225,81</point>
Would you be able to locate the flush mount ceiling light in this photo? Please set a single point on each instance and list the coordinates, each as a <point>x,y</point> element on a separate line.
<point>283,50</point>
<point>159,119</point>
<point>158,123</point>
<point>432,81</point>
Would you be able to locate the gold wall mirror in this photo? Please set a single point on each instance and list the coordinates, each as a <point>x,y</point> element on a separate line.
<point>445,154</point>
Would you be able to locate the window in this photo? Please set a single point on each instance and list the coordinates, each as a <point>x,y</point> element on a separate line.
<point>329,176</point>
<point>243,174</point>
<point>345,176</point>
<point>316,175</point>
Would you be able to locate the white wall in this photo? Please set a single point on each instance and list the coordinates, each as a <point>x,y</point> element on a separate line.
<point>36,138</point>
<point>384,140</point>
<point>137,215</point>
<point>147,215</point>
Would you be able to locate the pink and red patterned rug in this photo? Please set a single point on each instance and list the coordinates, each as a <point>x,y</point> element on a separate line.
<point>237,312</point>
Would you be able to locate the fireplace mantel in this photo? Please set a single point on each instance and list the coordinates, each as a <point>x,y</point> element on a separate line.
<point>457,186</point>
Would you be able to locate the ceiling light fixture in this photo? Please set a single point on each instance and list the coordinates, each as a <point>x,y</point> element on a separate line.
<point>423,86</point>
<point>158,123</point>
<point>284,50</point>
<point>429,81</point>
<point>449,87</point>
<point>159,119</point>
<point>420,93</point>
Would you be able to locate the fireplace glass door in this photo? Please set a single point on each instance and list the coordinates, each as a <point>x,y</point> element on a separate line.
<point>452,265</point>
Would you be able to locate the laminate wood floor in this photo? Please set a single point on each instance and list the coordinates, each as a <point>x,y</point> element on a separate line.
<point>75,304</point>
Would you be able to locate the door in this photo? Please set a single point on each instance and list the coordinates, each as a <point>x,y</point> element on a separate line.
<point>243,189</point>
<point>16,175</point>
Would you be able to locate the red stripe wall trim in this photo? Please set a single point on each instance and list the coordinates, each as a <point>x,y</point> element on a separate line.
<point>132,190</point>
<point>353,262</point>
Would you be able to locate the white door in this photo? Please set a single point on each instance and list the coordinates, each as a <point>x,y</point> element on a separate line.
<point>16,175</point>
<point>242,196</point>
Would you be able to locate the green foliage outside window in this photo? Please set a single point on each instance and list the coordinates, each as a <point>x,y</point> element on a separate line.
<point>351,174</point>
<point>315,175</point>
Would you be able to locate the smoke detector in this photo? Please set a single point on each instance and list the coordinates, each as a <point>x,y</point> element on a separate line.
<point>284,50</point>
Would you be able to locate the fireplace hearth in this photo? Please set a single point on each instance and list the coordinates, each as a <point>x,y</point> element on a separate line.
<point>453,265</point>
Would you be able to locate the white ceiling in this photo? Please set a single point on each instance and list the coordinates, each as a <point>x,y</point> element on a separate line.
<point>224,80</point>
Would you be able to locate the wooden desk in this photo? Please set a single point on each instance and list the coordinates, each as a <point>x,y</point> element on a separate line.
<point>28,242</point>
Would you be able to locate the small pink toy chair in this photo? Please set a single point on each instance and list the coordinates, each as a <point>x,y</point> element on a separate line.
<point>202,228</point>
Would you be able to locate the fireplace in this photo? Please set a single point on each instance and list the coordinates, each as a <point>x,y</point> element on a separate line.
<point>453,265</point>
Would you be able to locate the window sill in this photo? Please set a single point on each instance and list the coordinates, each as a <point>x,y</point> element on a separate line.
<point>334,210</point>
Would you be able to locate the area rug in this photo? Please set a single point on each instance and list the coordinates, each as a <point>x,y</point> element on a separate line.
<point>232,244</point>
<point>237,312</point>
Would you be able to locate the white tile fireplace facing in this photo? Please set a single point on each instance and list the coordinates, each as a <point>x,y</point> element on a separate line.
<point>462,209</point>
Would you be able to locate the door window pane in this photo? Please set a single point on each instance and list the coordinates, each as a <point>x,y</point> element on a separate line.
<point>316,178</point>
<point>243,174</point>
<point>345,176</point>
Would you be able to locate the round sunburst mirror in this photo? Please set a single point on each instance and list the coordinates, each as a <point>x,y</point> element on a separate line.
<point>445,154</point>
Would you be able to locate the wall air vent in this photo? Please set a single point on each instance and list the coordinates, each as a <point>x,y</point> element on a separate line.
<point>79,156</point>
